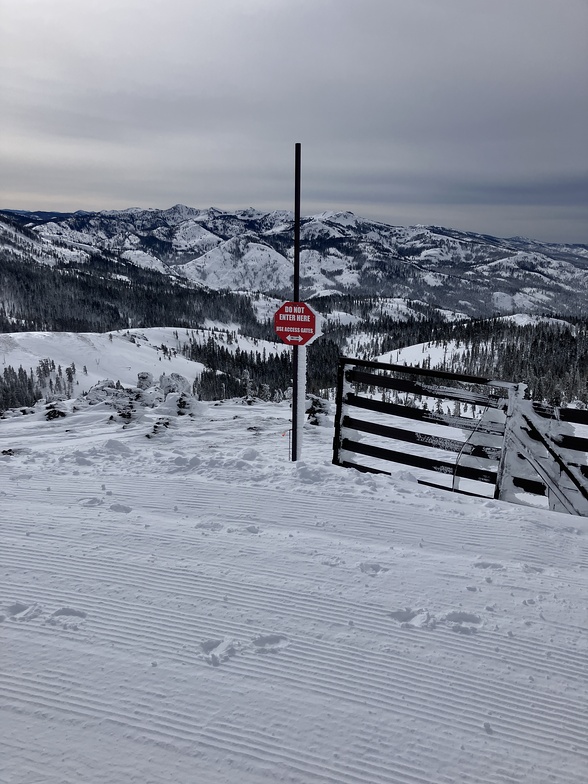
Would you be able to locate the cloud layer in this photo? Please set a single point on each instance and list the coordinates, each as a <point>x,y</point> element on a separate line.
<point>463,113</point>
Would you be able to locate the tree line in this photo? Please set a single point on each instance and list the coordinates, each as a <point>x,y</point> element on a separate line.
<point>19,389</point>
<point>107,293</point>
<point>235,373</point>
<point>550,357</point>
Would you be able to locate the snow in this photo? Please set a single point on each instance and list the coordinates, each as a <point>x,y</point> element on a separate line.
<point>393,306</point>
<point>300,386</point>
<point>265,307</point>
<point>259,267</point>
<point>54,230</point>
<point>504,302</point>
<point>342,318</point>
<point>525,319</point>
<point>246,250</point>
<point>401,310</point>
<point>344,218</point>
<point>191,236</point>
<point>183,603</point>
<point>322,269</point>
<point>317,228</point>
<point>142,259</point>
<point>417,354</point>
<point>433,279</point>
<point>120,358</point>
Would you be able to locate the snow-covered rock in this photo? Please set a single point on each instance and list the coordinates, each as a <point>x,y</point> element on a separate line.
<point>174,382</point>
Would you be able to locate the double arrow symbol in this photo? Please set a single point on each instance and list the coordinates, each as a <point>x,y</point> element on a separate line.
<point>294,337</point>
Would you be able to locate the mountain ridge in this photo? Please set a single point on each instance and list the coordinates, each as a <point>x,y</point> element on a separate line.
<point>341,253</point>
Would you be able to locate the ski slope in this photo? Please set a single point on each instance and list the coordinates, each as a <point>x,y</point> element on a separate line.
<point>121,354</point>
<point>182,604</point>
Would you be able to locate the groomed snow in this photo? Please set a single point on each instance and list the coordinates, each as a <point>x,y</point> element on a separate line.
<point>193,607</point>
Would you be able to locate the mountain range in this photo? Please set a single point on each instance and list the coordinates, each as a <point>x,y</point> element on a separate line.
<point>248,250</point>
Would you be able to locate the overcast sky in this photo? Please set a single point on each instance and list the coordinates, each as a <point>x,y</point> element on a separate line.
<point>465,113</point>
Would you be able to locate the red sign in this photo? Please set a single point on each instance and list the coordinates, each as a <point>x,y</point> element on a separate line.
<point>295,323</point>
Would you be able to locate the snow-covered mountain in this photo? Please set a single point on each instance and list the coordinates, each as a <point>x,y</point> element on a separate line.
<point>250,250</point>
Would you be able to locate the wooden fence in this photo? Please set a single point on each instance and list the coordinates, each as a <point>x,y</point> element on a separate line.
<point>472,435</point>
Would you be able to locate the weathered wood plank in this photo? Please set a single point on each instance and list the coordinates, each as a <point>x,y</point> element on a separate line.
<point>364,469</point>
<point>453,489</point>
<point>424,439</point>
<point>425,372</point>
<point>439,466</point>
<point>411,387</point>
<point>577,415</point>
<point>575,443</point>
<point>530,485</point>
<point>394,409</point>
<point>560,463</point>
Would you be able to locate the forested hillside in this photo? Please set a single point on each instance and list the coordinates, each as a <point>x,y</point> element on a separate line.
<point>108,295</point>
<point>551,357</point>
<point>93,273</point>
<point>251,250</point>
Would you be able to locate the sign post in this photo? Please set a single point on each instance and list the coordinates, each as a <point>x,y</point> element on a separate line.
<point>297,370</point>
<point>296,324</point>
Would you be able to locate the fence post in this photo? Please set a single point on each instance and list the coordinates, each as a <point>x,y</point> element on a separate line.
<point>528,455</point>
<point>337,438</point>
<point>566,491</point>
<point>509,458</point>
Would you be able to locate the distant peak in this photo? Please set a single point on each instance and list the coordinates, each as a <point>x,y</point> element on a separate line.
<point>249,212</point>
<point>338,216</point>
<point>181,209</point>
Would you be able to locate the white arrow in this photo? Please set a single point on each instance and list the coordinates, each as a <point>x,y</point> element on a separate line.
<point>294,337</point>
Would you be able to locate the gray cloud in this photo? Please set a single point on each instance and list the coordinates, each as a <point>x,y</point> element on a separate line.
<point>416,109</point>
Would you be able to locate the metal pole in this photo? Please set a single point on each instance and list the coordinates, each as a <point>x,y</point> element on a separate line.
<point>296,298</point>
<point>297,224</point>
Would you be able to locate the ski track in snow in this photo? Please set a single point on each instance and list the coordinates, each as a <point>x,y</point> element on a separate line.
<point>193,607</point>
